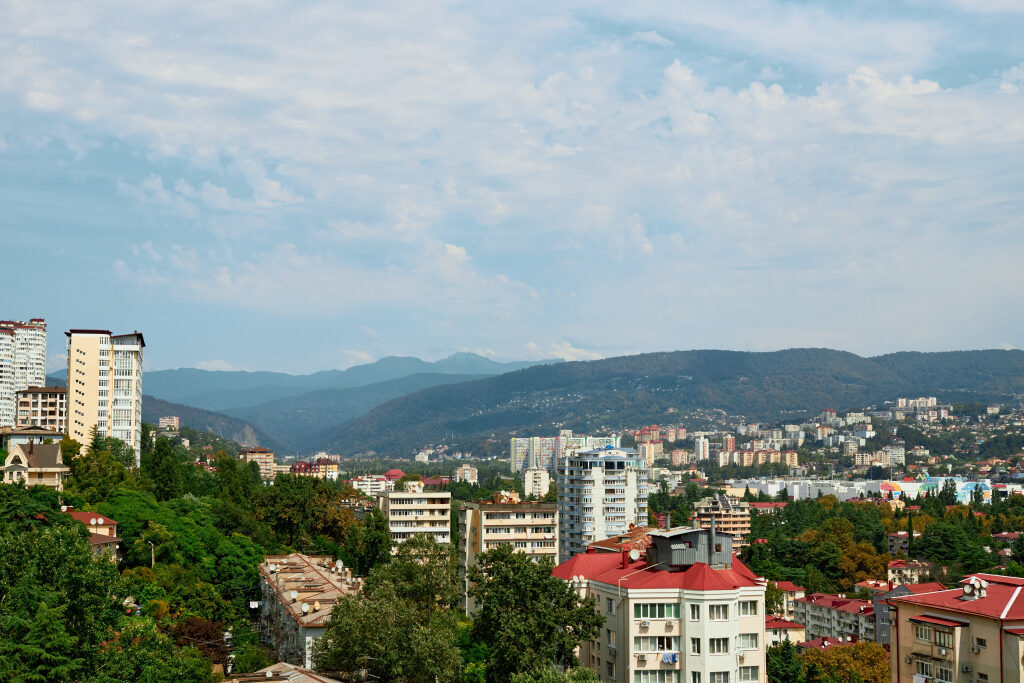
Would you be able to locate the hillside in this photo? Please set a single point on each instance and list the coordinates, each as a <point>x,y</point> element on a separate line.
<point>207,421</point>
<point>295,421</point>
<point>616,392</point>
<point>219,390</point>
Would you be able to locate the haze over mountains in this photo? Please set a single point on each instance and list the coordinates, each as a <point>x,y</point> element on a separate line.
<point>397,404</point>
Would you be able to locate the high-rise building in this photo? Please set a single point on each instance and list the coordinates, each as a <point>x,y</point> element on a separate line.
<point>601,492</point>
<point>43,407</point>
<point>22,362</point>
<point>105,386</point>
<point>546,451</point>
<point>731,517</point>
<point>683,610</point>
<point>263,457</point>
<point>701,448</point>
<point>536,482</point>
<point>415,511</point>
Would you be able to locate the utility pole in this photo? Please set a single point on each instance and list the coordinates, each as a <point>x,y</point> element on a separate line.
<point>152,554</point>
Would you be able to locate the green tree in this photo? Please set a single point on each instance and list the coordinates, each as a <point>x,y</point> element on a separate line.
<point>138,651</point>
<point>165,475</point>
<point>782,664</point>
<point>528,619</point>
<point>368,545</point>
<point>35,646</point>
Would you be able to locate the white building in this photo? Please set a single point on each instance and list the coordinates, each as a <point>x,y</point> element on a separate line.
<point>685,610</point>
<point>373,484</point>
<point>536,482</point>
<point>600,493</point>
<point>467,473</point>
<point>701,448</point>
<point>105,386</point>
<point>546,451</point>
<point>415,511</point>
<point>22,362</point>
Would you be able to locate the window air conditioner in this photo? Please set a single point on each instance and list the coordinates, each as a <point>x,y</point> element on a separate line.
<point>943,651</point>
<point>644,623</point>
<point>966,668</point>
<point>975,649</point>
<point>908,659</point>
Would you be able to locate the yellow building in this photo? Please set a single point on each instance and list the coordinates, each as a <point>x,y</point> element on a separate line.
<point>105,386</point>
<point>264,459</point>
<point>731,517</point>
<point>36,465</point>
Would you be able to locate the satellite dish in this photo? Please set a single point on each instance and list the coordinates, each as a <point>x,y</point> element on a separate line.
<point>634,554</point>
<point>305,608</point>
<point>94,521</point>
<point>339,564</point>
<point>295,595</point>
<point>969,589</point>
<point>316,606</point>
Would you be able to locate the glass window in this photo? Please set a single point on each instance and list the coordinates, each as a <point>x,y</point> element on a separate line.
<point>718,646</point>
<point>656,610</point>
<point>609,606</point>
<point>924,668</point>
<point>747,641</point>
<point>611,669</point>
<point>944,638</point>
<point>943,674</point>
<point>694,612</point>
<point>923,633</point>
<point>748,673</point>
<point>748,608</point>
<point>694,646</point>
<point>719,677</point>
<point>981,642</point>
<point>718,612</point>
<point>655,677</point>
<point>694,677</point>
<point>655,643</point>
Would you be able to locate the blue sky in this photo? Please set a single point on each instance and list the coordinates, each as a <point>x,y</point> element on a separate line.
<point>302,186</point>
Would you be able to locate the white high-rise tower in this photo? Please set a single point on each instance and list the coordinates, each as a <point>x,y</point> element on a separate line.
<point>22,362</point>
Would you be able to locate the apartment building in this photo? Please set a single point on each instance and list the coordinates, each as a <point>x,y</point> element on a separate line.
<point>898,542</point>
<point>264,459</point>
<point>790,594</point>
<point>731,516</point>
<point>45,407</point>
<point>22,362</point>
<point>318,469</point>
<point>880,597</point>
<point>908,571</point>
<point>685,610</point>
<point>529,527</point>
<point>467,473</point>
<point>971,633</point>
<point>601,492</point>
<point>832,616</point>
<point>170,422</point>
<point>373,484</point>
<point>415,511</point>
<point>298,593</point>
<point>105,386</point>
<point>36,464</point>
<point>536,482</point>
<point>777,630</point>
<point>547,451</point>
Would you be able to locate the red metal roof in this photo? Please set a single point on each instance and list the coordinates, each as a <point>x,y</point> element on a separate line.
<point>788,586</point>
<point>776,622</point>
<point>918,588</point>
<point>86,517</point>
<point>937,621</point>
<point>607,568</point>
<point>1002,599</point>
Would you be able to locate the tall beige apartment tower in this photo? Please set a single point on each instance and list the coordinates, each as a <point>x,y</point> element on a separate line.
<point>105,386</point>
<point>22,362</point>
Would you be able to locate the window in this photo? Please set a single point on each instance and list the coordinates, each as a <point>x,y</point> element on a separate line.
<point>694,612</point>
<point>944,638</point>
<point>718,646</point>
<point>943,674</point>
<point>655,677</point>
<point>981,642</point>
<point>748,608</point>
<point>748,673</point>
<point>924,668</point>
<point>982,677</point>
<point>694,677</point>
<point>656,610</point>
<point>923,633</point>
<point>609,606</point>
<point>655,643</point>
<point>719,677</point>
<point>694,646</point>
<point>747,641</point>
<point>609,637</point>
<point>718,612</point>
<point>611,669</point>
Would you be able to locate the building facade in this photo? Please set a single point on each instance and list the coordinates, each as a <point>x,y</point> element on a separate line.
<point>529,527</point>
<point>832,616</point>
<point>536,482</point>
<point>373,484</point>
<point>103,538</point>
<point>264,459</point>
<point>22,362</point>
<point>170,422</point>
<point>683,611</point>
<point>36,464</point>
<point>974,632</point>
<point>415,511</point>
<point>547,451</point>
<point>731,517</point>
<point>105,386</point>
<point>45,407</point>
<point>467,473</point>
<point>601,492</point>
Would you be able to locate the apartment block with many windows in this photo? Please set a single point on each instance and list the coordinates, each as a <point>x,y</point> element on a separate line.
<point>684,611</point>
<point>731,517</point>
<point>601,492</point>
<point>43,407</point>
<point>22,362</point>
<point>415,511</point>
<point>105,386</point>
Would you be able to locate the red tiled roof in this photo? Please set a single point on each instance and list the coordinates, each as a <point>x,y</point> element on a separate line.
<point>777,622</point>
<point>1001,601</point>
<point>394,474</point>
<point>102,539</point>
<point>767,506</point>
<point>86,517</point>
<point>820,643</point>
<point>607,568</point>
<point>788,586</point>
<point>919,588</point>
<point>839,603</point>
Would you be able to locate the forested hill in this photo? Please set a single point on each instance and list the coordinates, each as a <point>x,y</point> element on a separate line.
<point>630,390</point>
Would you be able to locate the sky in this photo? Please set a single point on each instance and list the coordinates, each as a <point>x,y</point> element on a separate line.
<point>299,186</point>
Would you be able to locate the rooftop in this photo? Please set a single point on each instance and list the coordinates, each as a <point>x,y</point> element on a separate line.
<point>316,581</point>
<point>608,568</point>
<point>1000,600</point>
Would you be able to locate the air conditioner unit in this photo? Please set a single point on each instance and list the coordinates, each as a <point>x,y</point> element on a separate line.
<point>641,659</point>
<point>644,623</point>
<point>669,625</point>
<point>966,668</point>
<point>611,650</point>
<point>943,651</point>
<point>908,659</point>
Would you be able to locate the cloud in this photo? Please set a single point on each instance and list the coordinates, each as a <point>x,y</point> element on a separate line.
<point>652,37</point>
<point>356,357</point>
<point>560,349</point>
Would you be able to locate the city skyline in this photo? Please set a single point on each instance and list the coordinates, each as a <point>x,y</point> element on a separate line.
<point>580,181</point>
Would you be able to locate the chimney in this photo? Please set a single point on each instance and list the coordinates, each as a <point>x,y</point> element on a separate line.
<point>711,542</point>
<point>625,556</point>
<point>31,446</point>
